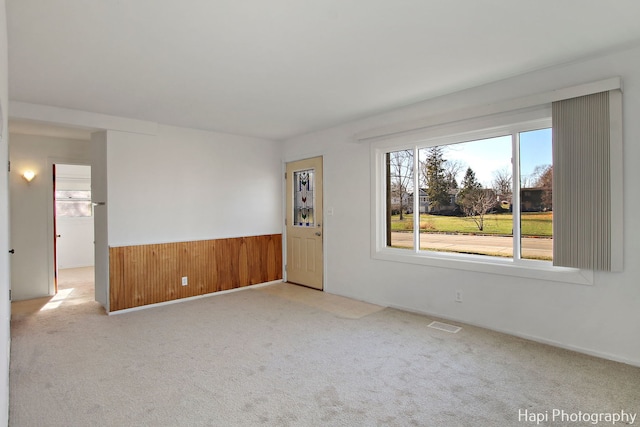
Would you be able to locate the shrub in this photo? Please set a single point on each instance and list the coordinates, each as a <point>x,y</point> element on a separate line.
<point>427,225</point>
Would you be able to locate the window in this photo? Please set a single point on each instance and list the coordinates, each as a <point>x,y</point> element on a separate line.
<point>566,195</point>
<point>73,203</point>
<point>467,203</point>
<point>510,200</point>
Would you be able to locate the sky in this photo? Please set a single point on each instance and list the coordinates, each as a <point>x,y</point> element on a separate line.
<point>490,155</point>
<point>535,150</point>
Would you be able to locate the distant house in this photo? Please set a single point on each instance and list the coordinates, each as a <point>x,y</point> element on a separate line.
<point>405,203</point>
<point>424,202</point>
<point>535,199</point>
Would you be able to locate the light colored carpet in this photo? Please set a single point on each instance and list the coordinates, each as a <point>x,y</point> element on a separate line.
<point>341,307</point>
<point>272,357</point>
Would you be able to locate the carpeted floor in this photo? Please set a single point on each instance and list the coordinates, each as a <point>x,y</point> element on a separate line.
<point>283,355</point>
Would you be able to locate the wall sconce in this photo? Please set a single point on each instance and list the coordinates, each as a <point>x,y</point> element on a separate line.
<point>29,175</point>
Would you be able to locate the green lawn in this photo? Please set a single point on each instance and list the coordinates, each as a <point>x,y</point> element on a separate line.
<point>533,224</point>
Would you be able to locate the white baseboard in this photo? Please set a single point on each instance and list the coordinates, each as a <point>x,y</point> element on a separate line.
<point>541,340</point>
<point>174,301</point>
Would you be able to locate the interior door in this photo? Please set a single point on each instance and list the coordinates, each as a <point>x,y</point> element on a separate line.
<point>55,235</point>
<point>304,264</point>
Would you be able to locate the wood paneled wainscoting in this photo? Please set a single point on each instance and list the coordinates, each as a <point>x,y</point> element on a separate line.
<point>148,274</point>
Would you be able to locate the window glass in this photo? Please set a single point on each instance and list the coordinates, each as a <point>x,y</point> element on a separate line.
<point>73,203</point>
<point>536,206</point>
<point>468,195</point>
<point>303,198</point>
<point>465,197</point>
<point>400,196</point>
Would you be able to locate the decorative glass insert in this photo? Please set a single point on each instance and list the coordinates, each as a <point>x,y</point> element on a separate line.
<point>303,198</point>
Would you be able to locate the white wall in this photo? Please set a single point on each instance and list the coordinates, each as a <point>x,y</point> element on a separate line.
<point>101,227</point>
<point>5,308</point>
<point>184,184</point>
<point>32,209</point>
<point>602,319</point>
<point>167,184</point>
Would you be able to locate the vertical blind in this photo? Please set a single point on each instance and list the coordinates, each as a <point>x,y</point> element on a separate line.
<point>582,182</point>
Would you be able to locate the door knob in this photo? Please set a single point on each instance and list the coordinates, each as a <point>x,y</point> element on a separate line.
<point>318,233</point>
<point>58,235</point>
<point>12,251</point>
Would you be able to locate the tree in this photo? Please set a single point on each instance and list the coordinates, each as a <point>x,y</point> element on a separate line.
<point>451,169</point>
<point>401,174</point>
<point>544,180</point>
<point>478,204</point>
<point>436,180</point>
<point>502,184</point>
<point>474,200</point>
<point>469,185</point>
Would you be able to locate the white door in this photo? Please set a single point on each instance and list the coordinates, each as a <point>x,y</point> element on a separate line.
<point>73,216</point>
<point>304,264</point>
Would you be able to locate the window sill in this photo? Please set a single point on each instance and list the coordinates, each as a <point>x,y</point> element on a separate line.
<point>538,270</point>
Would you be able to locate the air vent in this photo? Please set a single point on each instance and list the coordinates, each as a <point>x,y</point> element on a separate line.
<point>445,327</point>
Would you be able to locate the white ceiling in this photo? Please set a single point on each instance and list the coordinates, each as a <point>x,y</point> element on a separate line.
<point>280,68</point>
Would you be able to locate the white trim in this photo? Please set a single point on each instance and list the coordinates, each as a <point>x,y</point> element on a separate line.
<point>529,337</point>
<point>515,195</point>
<point>416,198</point>
<point>78,118</point>
<point>490,109</point>
<point>174,301</point>
<point>283,202</point>
<point>51,243</point>
<point>464,322</point>
<point>616,147</point>
<point>469,130</point>
<point>528,269</point>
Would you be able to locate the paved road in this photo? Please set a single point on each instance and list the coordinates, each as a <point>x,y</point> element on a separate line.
<point>538,248</point>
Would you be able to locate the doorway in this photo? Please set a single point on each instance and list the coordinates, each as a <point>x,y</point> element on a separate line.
<point>304,219</point>
<point>74,257</point>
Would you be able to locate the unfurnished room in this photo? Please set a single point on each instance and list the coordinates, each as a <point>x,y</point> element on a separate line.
<point>319,213</point>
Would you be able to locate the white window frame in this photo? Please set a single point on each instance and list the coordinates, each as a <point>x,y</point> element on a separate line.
<point>463,131</point>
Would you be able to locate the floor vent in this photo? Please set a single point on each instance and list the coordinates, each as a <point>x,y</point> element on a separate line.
<point>445,327</point>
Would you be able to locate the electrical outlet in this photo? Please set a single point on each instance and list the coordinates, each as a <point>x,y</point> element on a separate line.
<point>185,281</point>
<point>458,296</point>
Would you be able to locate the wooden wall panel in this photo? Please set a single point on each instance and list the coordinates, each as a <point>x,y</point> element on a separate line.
<point>148,274</point>
<point>116,277</point>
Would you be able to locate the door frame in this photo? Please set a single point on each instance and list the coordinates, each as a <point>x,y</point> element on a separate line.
<point>284,217</point>
<point>51,220</point>
<point>55,229</point>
